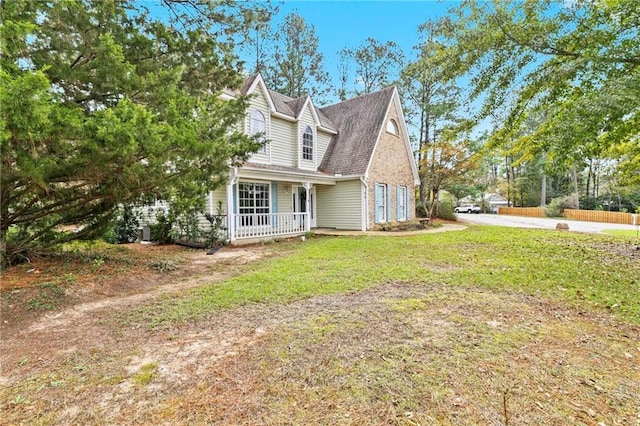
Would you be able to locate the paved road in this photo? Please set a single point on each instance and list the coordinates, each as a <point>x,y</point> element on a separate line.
<point>543,223</point>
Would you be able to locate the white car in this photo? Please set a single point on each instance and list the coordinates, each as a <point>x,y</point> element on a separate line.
<point>467,208</point>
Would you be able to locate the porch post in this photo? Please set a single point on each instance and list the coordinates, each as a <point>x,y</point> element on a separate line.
<point>307,224</point>
<point>231,217</point>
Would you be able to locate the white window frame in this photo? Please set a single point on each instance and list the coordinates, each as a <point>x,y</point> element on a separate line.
<point>402,203</point>
<point>258,124</point>
<point>381,202</point>
<point>254,208</point>
<point>392,127</point>
<point>307,149</point>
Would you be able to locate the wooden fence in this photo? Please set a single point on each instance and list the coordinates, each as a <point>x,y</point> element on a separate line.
<point>522,211</point>
<point>586,215</point>
<point>599,216</point>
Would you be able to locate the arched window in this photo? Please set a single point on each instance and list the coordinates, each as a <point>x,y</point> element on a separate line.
<point>307,144</point>
<point>392,127</point>
<point>258,125</point>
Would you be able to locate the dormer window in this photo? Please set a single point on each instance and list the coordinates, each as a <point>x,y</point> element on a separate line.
<point>307,144</point>
<point>392,127</point>
<point>258,125</point>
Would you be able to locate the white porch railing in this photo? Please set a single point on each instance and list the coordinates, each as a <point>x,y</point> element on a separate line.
<point>268,225</point>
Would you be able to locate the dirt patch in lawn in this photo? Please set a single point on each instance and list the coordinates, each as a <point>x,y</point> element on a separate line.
<point>112,276</point>
<point>401,353</point>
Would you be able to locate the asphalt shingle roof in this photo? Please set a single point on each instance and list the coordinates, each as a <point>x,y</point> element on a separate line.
<point>280,102</point>
<point>359,121</point>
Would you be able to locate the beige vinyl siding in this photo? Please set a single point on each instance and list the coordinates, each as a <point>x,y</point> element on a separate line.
<point>284,151</point>
<point>220,194</point>
<point>147,214</point>
<point>211,205</point>
<point>340,206</point>
<point>285,199</point>
<point>323,143</point>
<point>306,119</point>
<point>259,102</point>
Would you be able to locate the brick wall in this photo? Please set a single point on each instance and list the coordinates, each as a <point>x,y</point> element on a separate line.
<point>390,165</point>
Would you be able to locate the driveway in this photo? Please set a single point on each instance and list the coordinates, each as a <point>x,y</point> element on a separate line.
<point>542,223</point>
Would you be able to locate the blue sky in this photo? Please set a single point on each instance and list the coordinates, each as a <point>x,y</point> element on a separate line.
<point>341,24</point>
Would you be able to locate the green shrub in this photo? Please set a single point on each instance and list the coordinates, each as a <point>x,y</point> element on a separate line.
<point>188,226</point>
<point>556,206</point>
<point>125,229</point>
<point>217,229</point>
<point>162,230</point>
<point>444,210</point>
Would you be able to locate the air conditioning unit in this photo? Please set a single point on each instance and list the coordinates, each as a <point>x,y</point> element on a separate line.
<point>146,234</point>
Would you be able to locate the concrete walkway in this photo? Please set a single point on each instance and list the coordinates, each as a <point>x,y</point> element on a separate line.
<point>444,228</point>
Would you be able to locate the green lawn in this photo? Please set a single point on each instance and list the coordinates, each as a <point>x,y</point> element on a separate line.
<point>588,270</point>
<point>623,232</point>
<point>482,326</point>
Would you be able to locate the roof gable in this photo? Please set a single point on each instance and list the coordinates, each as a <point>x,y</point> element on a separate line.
<point>357,125</point>
<point>404,134</point>
<point>359,122</point>
<point>283,105</point>
<point>296,105</point>
<point>255,82</point>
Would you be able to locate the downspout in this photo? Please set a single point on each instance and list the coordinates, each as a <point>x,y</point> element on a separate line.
<point>365,222</point>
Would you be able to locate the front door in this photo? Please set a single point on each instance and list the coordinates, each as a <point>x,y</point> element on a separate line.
<point>300,203</point>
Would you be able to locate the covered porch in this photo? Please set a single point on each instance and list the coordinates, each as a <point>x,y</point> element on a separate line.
<point>263,204</point>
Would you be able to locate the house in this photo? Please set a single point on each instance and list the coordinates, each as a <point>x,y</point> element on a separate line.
<point>494,201</point>
<point>347,166</point>
<point>490,201</point>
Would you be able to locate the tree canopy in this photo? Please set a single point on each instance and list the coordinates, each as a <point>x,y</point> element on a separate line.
<point>297,67</point>
<point>576,63</point>
<point>377,64</point>
<point>103,104</point>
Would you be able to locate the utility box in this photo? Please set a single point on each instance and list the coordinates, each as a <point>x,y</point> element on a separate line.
<point>146,233</point>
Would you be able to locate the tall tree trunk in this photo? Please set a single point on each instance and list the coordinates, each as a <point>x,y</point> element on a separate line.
<point>422,155</point>
<point>589,177</point>
<point>574,178</point>
<point>506,163</point>
<point>425,124</point>
<point>596,176</point>
<point>434,201</point>
<point>3,249</point>
<point>543,183</point>
<point>4,226</point>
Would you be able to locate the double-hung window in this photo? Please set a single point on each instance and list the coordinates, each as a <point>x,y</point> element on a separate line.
<point>381,203</point>
<point>253,203</point>
<point>307,144</point>
<point>401,203</point>
<point>258,125</point>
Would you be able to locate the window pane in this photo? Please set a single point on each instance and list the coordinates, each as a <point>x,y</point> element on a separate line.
<point>258,124</point>
<point>381,202</point>
<point>392,127</point>
<point>307,144</point>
